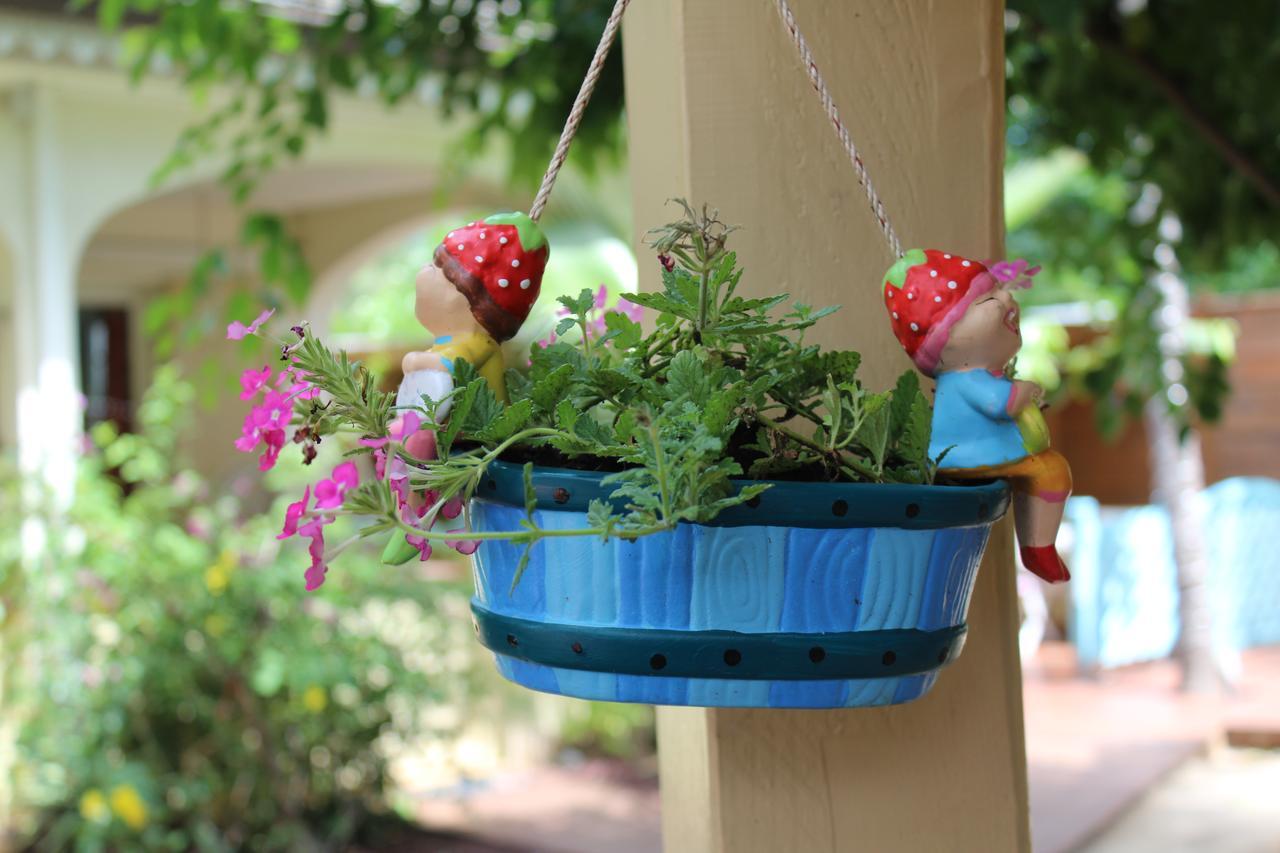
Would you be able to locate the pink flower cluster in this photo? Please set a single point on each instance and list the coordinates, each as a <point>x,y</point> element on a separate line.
<point>595,321</point>
<point>406,431</point>
<point>302,519</point>
<point>268,419</point>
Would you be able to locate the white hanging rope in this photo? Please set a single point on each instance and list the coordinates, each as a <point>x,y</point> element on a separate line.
<point>820,86</point>
<point>579,106</point>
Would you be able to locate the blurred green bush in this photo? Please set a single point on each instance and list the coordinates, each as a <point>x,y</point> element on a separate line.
<point>173,686</point>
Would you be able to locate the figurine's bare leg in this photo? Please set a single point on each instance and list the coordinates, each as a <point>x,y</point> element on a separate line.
<point>1036,520</point>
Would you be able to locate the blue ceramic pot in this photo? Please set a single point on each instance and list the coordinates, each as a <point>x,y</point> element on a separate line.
<point>817,595</point>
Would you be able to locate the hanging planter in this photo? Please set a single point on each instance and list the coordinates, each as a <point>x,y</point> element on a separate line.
<point>771,532</point>
<point>810,596</point>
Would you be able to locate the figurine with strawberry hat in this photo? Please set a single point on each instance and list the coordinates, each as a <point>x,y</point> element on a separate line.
<point>959,323</point>
<point>476,293</point>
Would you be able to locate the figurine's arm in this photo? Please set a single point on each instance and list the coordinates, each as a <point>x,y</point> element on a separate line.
<point>425,360</point>
<point>991,395</point>
<point>1022,395</point>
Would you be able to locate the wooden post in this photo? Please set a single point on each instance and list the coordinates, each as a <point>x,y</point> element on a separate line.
<point>721,112</point>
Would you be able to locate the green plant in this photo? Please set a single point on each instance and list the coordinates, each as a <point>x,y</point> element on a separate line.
<point>173,692</point>
<point>723,387</point>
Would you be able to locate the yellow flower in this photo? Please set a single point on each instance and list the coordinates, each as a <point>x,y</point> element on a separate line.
<point>127,803</point>
<point>93,806</point>
<point>215,578</point>
<point>314,699</point>
<point>218,575</point>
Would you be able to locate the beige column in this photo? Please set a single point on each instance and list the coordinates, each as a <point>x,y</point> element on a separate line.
<point>721,112</point>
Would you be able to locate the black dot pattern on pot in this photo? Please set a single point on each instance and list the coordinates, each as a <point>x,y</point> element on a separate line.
<point>913,510</point>
<point>732,657</point>
<point>753,502</point>
<point>890,657</point>
<point>942,656</point>
<point>561,495</point>
<point>817,654</point>
<point>512,641</point>
<point>577,648</point>
<point>658,661</point>
<point>840,508</point>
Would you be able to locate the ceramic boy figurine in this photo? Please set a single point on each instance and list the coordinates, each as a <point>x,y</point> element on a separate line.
<point>959,324</point>
<point>475,294</point>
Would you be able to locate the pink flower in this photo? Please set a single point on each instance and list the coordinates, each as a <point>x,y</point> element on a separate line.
<point>668,262</point>
<point>314,530</point>
<point>398,477</point>
<point>1014,274</point>
<point>293,514</point>
<point>633,311</point>
<point>238,331</point>
<point>452,508</point>
<point>423,546</point>
<point>462,546</point>
<point>274,441</point>
<point>401,428</point>
<point>329,493</point>
<point>252,381</point>
<point>602,298</point>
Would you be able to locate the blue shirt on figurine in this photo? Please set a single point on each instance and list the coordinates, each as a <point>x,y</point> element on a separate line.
<point>971,416</point>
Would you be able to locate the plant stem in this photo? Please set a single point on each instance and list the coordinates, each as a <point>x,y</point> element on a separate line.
<point>849,465</point>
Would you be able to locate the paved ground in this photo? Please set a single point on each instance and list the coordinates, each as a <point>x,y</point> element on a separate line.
<point>1120,763</point>
<point>1226,802</point>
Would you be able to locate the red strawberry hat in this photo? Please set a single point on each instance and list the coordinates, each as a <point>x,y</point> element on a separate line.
<point>926,292</point>
<point>497,263</point>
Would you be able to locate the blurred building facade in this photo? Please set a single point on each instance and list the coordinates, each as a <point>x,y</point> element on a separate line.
<point>85,245</point>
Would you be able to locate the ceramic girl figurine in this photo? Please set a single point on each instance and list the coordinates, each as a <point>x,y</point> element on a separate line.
<point>475,294</point>
<point>959,324</point>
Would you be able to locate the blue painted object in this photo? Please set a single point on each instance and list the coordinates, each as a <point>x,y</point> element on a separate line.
<point>831,610</point>
<point>1124,586</point>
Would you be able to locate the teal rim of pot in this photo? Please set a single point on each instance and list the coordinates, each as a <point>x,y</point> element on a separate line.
<point>783,504</point>
<point>888,652</point>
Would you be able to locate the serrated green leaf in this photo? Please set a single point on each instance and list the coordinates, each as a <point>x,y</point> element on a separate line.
<point>511,420</point>
<point>548,391</point>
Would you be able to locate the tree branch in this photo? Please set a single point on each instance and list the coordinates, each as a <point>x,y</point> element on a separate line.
<point>1237,159</point>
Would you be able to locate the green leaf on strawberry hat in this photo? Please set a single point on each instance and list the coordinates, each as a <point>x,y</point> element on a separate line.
<point>531,236</point>
<point>897,274</point>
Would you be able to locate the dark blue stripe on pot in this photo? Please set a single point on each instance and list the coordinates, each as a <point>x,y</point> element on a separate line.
<point>655,579</point>
<point>820,505</point>
<point>496,561</point>
<point>823,583</point>
<point>808,694</point>
<point>653,690</point>
<point>895,578</point>
<point>952,565</point>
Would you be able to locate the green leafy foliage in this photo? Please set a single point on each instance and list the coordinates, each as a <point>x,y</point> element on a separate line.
<point>170,690</point>
<point>722,389</point>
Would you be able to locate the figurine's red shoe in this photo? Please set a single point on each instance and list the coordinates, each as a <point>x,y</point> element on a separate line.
<point>1044,562</point>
